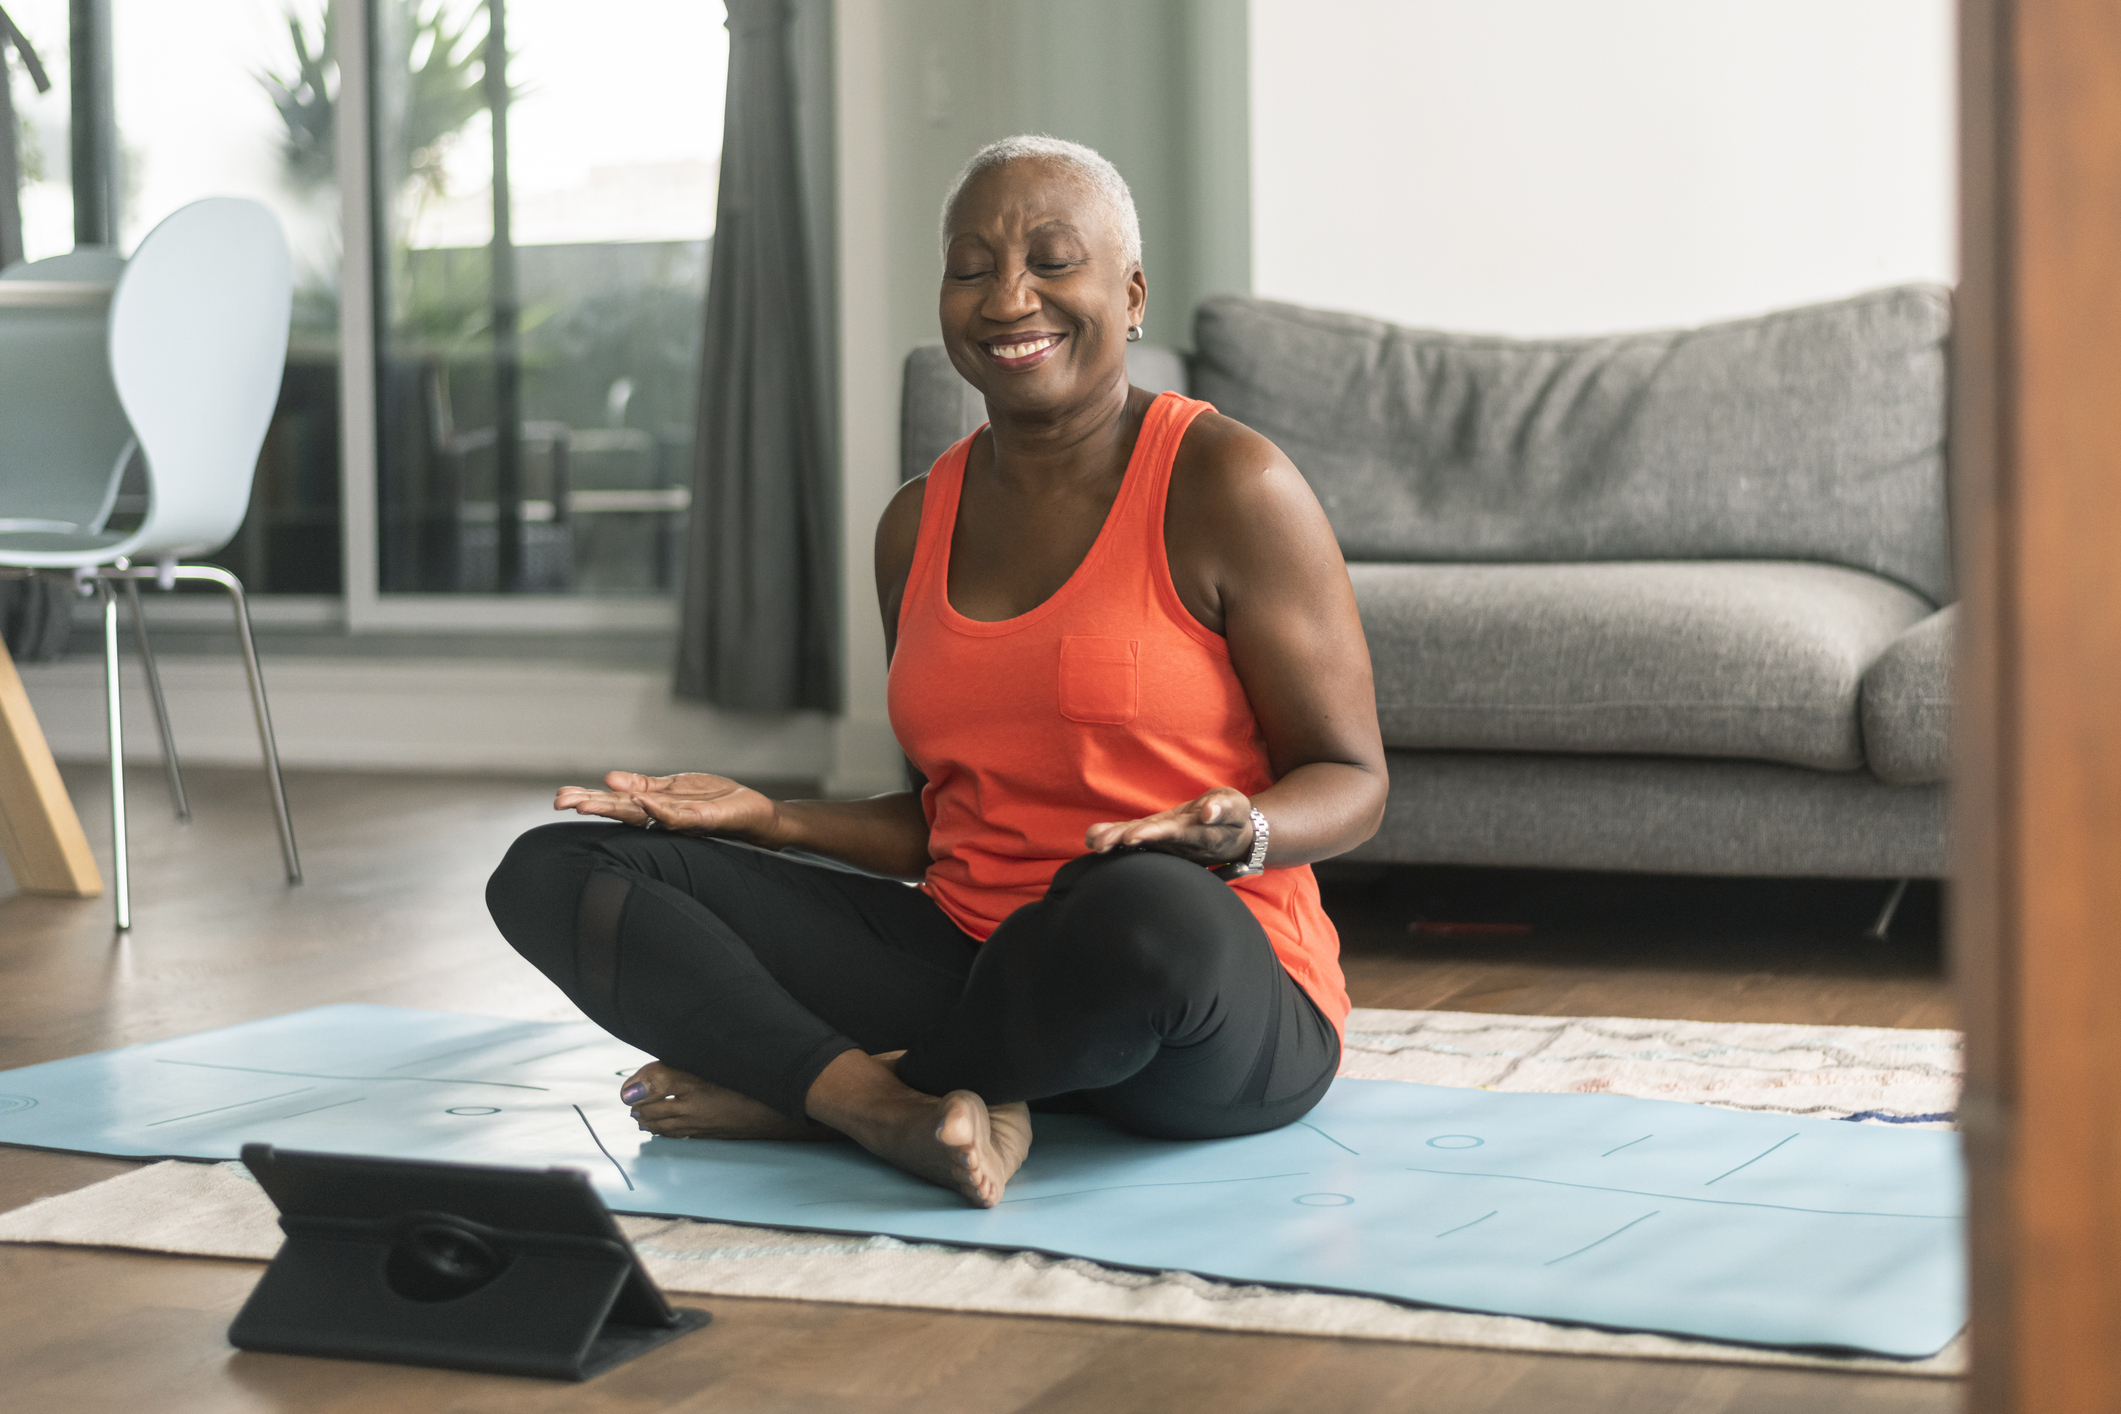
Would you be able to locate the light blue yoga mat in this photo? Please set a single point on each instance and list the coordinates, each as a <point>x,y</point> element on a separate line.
<point>1631,1214</point>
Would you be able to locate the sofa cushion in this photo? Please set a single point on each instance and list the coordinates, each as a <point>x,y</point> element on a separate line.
<point>1761,661</point>
<point>1907,704</point>
<point>1813,434</point>
<point>1655,815</point>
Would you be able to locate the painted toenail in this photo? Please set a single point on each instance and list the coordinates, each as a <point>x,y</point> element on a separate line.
<point>632,1093</point>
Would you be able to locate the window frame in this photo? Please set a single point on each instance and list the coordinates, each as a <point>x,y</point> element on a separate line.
<point>365,607</point>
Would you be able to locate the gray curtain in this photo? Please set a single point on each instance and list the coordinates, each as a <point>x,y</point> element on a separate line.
<point>760,623</point>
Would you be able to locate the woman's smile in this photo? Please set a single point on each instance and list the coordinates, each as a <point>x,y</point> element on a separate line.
<point>1017,352</point>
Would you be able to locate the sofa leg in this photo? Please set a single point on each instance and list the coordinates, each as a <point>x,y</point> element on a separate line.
<point>1879,929</point>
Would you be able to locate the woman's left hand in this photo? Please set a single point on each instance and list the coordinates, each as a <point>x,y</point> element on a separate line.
<point>1214,829</point>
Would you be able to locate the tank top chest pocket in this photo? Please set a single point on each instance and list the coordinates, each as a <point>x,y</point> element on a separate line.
<point>1098,679</point>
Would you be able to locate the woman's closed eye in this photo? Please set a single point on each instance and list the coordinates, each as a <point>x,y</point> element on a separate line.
<point>1051,254</point>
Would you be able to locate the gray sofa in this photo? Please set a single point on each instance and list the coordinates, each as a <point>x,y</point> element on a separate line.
<point>1662,601</point>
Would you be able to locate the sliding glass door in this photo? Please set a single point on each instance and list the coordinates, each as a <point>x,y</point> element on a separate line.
<point>543,193</point>
<point>531,198</point>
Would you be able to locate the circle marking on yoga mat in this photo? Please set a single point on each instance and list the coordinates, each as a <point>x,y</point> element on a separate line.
<point>1457,1141</point>
<point>11,1104</point>
<point>474,1110</point>
<point>1323,1200</point>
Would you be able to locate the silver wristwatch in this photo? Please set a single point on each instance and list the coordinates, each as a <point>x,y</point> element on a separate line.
<point>1256,862</point>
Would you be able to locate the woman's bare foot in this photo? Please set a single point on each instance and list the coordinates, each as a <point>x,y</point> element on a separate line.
<point>669,1102</point>
<point>955,1140</point>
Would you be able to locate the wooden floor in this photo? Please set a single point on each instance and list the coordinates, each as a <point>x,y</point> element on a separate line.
<point>391,913</point>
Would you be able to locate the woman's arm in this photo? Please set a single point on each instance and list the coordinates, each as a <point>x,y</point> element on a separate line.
<point>1254,559</point>
<point>887,833</point>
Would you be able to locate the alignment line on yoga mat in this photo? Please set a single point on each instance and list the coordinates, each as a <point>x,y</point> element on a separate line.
<point>1327,1137</point>
<point>600,1146</point>
<point>319,1075</point>
<point>1607,1238</point>
<point>1683,1197</point>
<point>1749,1162</point>
<point>219,1109</point>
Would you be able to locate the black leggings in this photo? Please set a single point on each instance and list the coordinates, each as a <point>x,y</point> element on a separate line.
<point>1140,987</point>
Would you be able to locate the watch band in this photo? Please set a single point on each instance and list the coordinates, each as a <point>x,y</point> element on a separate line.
<point>1256,863</point>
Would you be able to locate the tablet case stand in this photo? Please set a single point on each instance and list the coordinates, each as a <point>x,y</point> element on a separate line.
<point>436,1288</point>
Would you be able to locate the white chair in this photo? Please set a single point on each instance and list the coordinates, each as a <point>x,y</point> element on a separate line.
<point>196,345</point>
<point>64,441</point>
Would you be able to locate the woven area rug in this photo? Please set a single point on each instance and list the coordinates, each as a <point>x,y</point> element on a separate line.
<point>1866,1074</point>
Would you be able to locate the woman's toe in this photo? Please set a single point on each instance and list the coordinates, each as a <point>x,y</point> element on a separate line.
<point>647,1082</point>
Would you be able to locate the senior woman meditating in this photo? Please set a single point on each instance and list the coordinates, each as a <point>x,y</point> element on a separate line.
<point>1126,657</point>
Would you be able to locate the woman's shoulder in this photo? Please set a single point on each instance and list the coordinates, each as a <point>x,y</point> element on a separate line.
<point>1226,469</point>
<point>907,500</point>
<point>898,532</point>
<point>1240,516</point>
<point>898,529</point>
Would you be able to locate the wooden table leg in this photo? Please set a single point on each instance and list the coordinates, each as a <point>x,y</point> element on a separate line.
<point>39,832</point>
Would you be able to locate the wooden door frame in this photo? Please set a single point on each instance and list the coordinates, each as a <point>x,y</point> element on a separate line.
<point>2036,915</point>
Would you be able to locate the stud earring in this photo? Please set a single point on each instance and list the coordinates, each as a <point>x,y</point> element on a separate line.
<point>1134,334</point>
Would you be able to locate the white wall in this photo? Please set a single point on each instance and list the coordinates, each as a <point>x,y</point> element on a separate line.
<point>865,754</point>
<point>1576,166</point>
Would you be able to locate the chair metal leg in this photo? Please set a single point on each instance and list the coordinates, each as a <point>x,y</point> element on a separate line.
<point>154,693</point>
<point>1892,906</point>
<point>121,874</point>
<point>214,574</point>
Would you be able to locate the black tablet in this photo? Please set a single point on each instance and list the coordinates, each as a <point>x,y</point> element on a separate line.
<point>465,1265</point>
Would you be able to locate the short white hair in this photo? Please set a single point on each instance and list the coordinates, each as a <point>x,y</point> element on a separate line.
<point>1085,163</point>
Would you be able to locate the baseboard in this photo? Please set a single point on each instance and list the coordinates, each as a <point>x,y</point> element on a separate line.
<point>492,716</point>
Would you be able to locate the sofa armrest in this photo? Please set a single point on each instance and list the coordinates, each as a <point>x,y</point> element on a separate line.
<point>1907,703</point>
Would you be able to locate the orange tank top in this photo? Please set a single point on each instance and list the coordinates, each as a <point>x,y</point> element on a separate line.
<point>1109,701</point>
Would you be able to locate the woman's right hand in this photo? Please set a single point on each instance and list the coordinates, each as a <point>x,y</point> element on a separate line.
<point>691,802</point>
